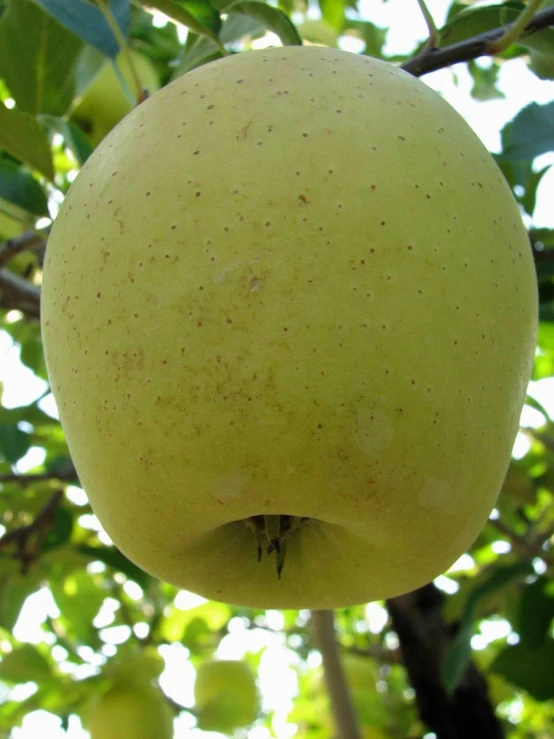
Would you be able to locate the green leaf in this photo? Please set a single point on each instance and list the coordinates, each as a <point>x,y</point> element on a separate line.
<point>198,50</point>
<point>238,25</point>
<point>89,23</point>
<point>37,59</point>
<point>529,198</point>
<point>193,14</point>
<point>484,81</point>
<point>536,612</point>
<point>79,599</point>
<point>529,668</point>
<point>374,37</point>
<point>459,652</point>
<point>118,561</point>
<point>271,18</point>
<point>22,137</point>
<point>203,13</point>
<point>333,13</point>
<point>15,587</point>
<point>530,134</point>
<point>30,413</point>
<point>474,21</point>
<point>25,664</point>
<point>14,443</point>
<point>60,531</point>
<point>19,187</point>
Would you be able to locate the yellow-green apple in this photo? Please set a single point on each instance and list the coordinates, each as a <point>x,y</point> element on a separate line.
<point>225,696</point>
<point>105,102</point>
<point>130,710</point>
<point>290,304</point>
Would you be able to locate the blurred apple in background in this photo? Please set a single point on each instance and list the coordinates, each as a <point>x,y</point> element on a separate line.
<point>105,102</point>
<point>226,696</point>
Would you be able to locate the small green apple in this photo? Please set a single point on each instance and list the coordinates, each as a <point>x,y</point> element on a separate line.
<point>225,696</point>
<point>289,306</point>
<point>105,103</point>
<point>129,710</point>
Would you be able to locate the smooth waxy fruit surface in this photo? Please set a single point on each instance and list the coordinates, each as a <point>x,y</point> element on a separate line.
<point>292,283</point>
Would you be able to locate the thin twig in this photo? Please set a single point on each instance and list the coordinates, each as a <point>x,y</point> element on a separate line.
<point>341,700</point>
<point>430,60</point>
<point>28,539</point>
<point>65,474</point>
<point>28,241</point>
<point>522,545</point>
<point>432,28</point>
<point>17,293</point>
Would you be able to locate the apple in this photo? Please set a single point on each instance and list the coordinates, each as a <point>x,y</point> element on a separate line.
<point>105,103</point>
<point>225,696</point>
<point>132,710</point>
<point>289,308</point>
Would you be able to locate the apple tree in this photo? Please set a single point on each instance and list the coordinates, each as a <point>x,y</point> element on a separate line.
<point>92,643</point>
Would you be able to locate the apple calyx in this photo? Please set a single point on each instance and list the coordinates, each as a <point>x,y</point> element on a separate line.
<point>275,529</point>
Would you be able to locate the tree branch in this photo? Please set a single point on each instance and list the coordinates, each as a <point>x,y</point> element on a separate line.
<point>17,293</point>
<point>67,473</point>
<point>28,539</point>
<point>424,639</point>
<point>430,23</point>
<point>523,545</point>
<point>28,241</point>
<point>341,701</point>
<point>430,60</point>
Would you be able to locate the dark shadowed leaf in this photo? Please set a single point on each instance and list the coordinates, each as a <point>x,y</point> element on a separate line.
<point>530,134</point>
<point>14,443</point>
<point>203,12</point>
<point>536,612</point>
<point>19,187</point>
<point>60,531</point>
<point>529,668</point>
<point>457,656</point>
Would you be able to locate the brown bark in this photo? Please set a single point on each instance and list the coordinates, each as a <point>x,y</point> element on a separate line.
<point>424,639</point>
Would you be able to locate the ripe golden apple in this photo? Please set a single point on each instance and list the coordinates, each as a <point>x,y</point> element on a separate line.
<point>135,710</point>
<point>290,303</point>
<point>225,696</point>
<point>105,103</point>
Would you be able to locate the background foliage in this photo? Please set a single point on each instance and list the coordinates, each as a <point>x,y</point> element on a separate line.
<point>486,629</point>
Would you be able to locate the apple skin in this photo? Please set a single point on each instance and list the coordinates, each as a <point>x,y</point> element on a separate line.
<point>292,282</point>
<point>225,695</point>
<point>135,710</point>
<point>104,103</point>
